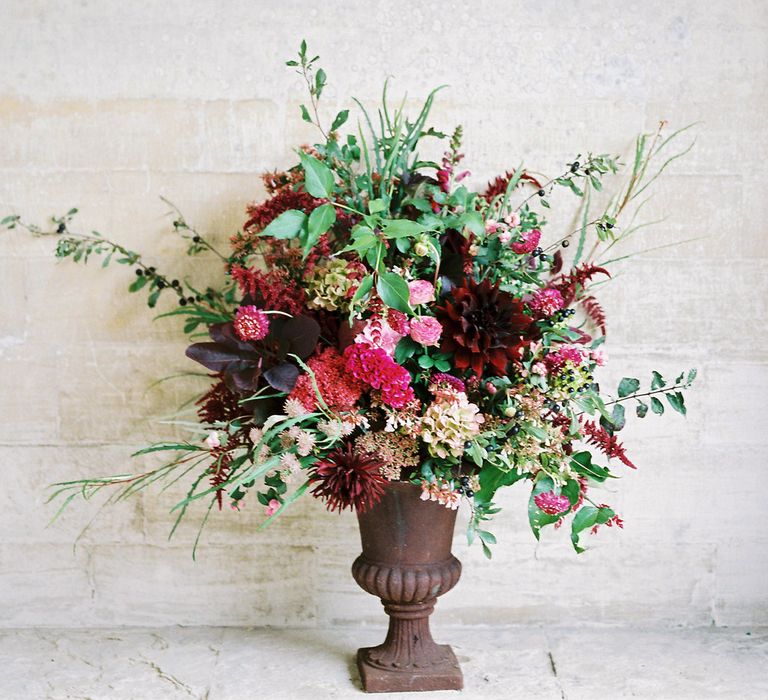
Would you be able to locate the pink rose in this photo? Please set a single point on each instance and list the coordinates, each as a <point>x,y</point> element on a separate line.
<point>422,292</point>
<point>426,330</point>
<point>273,507</point>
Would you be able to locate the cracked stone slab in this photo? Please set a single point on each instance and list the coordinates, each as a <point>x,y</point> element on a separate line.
<point>530,663</point>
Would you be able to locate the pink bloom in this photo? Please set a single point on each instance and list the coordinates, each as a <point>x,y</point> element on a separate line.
<point>528,243</point>
<point>338,389</point>
<point>572,353</point>
<point>539,368</point>
<point>378,370</point>
<point>550,503</point>
<point>547,301</point>
<point>491,226</point>
<point>398,321</point>
<point>426,330</point>
<point>251,323</point>
<point>273,507</point>
<point>443,380</point>
<point>505,237</point>
<point>422,292</point>
<point>213,440</point>
<point>378,333</point>
<point>599,356</point>
<point>512,219</point>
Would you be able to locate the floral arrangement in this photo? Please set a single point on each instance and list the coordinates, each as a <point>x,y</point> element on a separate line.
<point>380,321</point>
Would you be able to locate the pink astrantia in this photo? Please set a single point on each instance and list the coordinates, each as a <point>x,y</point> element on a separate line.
<point>426,330</point>
<point>546,301</point>
<point>251,323</point>
<point>550,503</point>
<point>528,243</point>
<point>421,292</point>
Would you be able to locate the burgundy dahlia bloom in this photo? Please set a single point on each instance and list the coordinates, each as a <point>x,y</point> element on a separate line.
<point>348,479</point>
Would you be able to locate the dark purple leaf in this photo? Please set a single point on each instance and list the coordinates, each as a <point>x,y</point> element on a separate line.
<point>282,377</point>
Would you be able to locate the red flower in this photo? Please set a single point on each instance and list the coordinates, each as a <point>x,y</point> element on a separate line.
<point>608,444</point>
<point>377,369</point>
<point>339,389</point>
<point>346,479</point>
<point>483,325</point>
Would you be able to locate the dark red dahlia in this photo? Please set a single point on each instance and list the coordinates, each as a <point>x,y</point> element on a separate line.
<point>499,185</point>
<point>348,479</point>
<point>483,325</point>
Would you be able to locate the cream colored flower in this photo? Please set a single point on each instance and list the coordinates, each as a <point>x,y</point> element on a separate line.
<point>330,286</point>
<point>447,425</point>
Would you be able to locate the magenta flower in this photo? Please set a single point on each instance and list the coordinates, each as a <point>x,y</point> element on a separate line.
<point>547,301</point>
<point>251,323</point>
<point>426,330</point>
<point>528,243</point>
<point>550,503</point>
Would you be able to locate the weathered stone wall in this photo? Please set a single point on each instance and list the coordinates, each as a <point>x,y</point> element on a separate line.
<point>108,105</point>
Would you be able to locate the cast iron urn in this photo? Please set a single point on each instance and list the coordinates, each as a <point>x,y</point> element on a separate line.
<point>407,562</point>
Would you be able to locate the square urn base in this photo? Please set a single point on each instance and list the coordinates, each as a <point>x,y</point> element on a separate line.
<point>444,676</point>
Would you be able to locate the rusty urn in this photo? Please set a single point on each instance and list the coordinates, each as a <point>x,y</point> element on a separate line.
<point>407,562</point>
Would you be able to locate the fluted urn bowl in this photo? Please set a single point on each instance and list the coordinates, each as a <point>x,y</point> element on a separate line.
<point>407,562</point>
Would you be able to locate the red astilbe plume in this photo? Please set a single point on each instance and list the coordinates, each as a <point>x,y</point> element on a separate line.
<point>273,290</point>
<point>595,312</point>
<point>219,471</point>
<point>572,284</point>
<point>348,479</point>
<point>608,444</point>
<point>499,185</point>
<point>219,404</point>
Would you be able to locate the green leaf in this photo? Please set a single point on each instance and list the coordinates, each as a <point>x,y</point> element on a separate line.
<point>581,463</point>
<point>402,228</point>
<point>394,291</point>
<point>691,376</point>
<point>153,297</point>
<point>287,225</point>
<point>320,220</point>
<point>627,386</point>
<point>641,409</point>
<point>425,361</point>
<point>138,283</point>
<point>405,349</point>
<point>305,114</point>
<point>362,290</point>
<point>677,402</point>
<point>318,178</point>
<point>486,550</point>
<point>617,416</point>
<point>320,80</point>
<point>477,455</point>
<point>487,537</point>
<point>163,446</point>
<point>657,382</point>
<point>377,205</point>
<point>341,118</point>
<point>656,406</point>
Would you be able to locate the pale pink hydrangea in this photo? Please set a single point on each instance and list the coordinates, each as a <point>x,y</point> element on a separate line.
<point>426,330</point>
<point>421,292</point>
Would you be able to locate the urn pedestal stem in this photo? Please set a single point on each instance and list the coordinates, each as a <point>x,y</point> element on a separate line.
<point>407,562</point>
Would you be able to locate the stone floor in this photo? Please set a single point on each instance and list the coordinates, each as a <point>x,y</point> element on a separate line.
<point>508,662</point>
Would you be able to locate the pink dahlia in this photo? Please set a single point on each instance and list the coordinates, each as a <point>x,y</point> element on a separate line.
<point>378,370</point>
<point>251,323</point>
<point>546,301</point>
<point>528,243</point>
<point>422,292</point>
<point>551,504</point>
<point>426,330</point>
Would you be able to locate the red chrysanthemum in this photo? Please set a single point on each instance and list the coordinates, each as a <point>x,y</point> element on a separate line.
<point>483,325</point>
<point>347,479</point>
<point>339,389</point>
